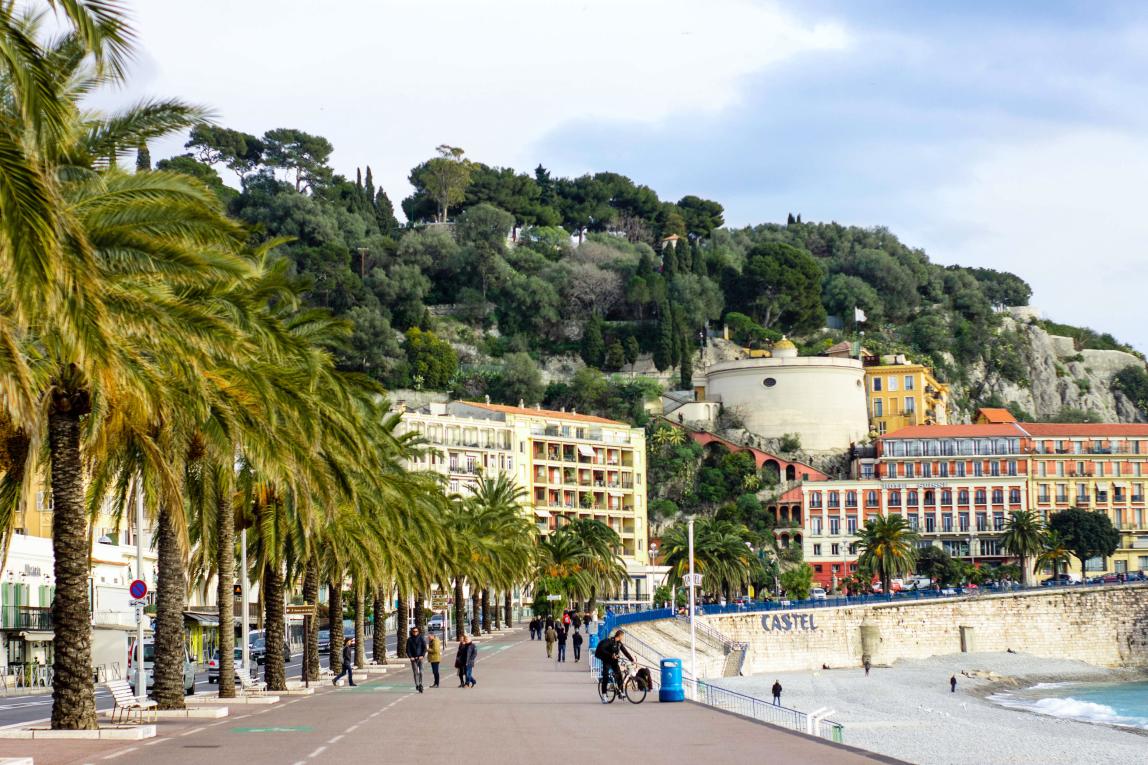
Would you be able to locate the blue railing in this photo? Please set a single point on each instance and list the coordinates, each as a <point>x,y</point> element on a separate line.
<point>613,621</point>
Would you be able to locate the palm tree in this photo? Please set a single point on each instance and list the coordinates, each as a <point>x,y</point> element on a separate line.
<point>1054,552</point>
<point>888,547</point>
<point>600,545</point>
<point>723,554</point>
<point>1024,538</point>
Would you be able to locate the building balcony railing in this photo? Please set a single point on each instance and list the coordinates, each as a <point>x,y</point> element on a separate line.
<point>25,618</point>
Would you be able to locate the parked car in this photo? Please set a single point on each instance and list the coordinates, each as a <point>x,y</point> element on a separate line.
<point>324,640</point>
<point>1061,579</point>
<point>1135,576</point>
<point>213,666</point>
<point>149,667</point>
<point>817,593</point>
<point>259,651</point>
<point>435,624</point>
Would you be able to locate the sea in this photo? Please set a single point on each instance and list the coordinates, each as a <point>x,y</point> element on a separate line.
<point>1122,704</point>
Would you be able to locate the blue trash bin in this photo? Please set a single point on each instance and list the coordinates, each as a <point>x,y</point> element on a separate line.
<point>671,687</point>
<point>593,643</point>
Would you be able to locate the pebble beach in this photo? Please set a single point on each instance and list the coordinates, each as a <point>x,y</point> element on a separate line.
<point>907,711</point>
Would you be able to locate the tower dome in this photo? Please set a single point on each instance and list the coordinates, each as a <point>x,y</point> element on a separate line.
<point>784,349</point>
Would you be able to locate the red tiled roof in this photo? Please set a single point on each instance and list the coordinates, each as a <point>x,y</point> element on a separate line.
<point>1098,430</point>
<point>995,416</point>
<point>549,413</point>
<point>956,431</point>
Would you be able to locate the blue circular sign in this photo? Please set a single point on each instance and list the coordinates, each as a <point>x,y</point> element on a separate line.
<point>138,589</point>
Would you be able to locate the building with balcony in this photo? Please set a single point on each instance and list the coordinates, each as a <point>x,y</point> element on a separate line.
<point>570,465</point>
<point>901,394</point>
<point>957,484</point>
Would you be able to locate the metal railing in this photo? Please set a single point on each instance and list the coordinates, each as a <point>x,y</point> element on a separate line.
<point>25,618</point>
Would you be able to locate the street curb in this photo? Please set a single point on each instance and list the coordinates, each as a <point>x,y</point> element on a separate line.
<point>205,699</point>
<point>15,761</point>
<point>125,733</point>
<point>209,713</point>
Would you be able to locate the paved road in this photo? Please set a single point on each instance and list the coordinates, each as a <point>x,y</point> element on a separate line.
<point>525,709</point>
<point>25,709</point>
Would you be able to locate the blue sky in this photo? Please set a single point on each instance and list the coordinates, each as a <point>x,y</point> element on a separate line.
<point>1009,135</point>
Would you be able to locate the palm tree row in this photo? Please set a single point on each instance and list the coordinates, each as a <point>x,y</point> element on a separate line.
<point>723,554</point>
<point>147,351</point>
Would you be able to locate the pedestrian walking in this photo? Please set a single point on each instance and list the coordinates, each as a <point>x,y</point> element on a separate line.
<point>434,656</point>
<point>534,628</point>
<point>867,664</point>
<point>563,633</point>
<point>460,659</point>
<point>416,652</point>
<point>348,663</point>
<point>953,684</point>
<point>777,692</point>
<point>551,638</point>
<point>577,640</point>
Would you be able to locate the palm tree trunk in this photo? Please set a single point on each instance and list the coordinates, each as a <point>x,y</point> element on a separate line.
<point>459,609</point>
<point>274,672</point>
<point>379,647</point>
<point>73,698</point>
<point>360,624</point>
<point>224,595</point>
<point>494,611</point>
<point>401,628</point>
<point>475,610</point>
<point>486,611</point>
<point>335,622</point>
<point>311,595</point>
<point>420,612</point>
<point>509,609</point>
<point>171,597</point>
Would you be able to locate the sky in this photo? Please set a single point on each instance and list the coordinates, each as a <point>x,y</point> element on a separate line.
<point>1007,135</point>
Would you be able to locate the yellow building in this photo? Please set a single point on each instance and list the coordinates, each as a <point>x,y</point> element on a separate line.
<point>901,393</point>
<point>571,465</point>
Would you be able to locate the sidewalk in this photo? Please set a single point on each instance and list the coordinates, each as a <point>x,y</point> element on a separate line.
<point>525,709</point>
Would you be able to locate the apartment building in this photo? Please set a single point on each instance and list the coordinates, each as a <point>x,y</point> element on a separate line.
<point>571,465</point>
<point>902,394</point>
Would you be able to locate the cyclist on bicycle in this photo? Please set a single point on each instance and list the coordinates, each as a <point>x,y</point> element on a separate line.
<point>607,652</point>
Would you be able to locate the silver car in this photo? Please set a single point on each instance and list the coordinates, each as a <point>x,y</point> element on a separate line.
<point>149,668</point>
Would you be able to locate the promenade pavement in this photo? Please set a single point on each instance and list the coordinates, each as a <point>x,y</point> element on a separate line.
<point>525,709</point>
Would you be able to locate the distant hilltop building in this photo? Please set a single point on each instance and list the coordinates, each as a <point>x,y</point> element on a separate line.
<point>900,392</point>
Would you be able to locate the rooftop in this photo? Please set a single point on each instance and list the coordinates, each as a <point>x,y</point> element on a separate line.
<point>990,415</point>
<point>957,431</point>
<point>551,414</point>
<point>1015,429</point>
<point>1093,430</point>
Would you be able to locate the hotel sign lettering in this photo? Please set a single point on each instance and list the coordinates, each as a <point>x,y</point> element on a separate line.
<point>788,622</point>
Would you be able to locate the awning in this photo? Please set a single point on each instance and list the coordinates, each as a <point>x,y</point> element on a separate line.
<point>585,451</point>
<point>40,636</point>
<point>207,620</point>
<point>613,493</point>
<point>541,512</point>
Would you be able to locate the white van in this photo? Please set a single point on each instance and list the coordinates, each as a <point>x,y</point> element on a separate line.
<point>149,667</point>
<point>817,593</point>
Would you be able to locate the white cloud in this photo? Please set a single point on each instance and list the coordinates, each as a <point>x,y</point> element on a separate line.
<point>386,82</point>
<point>1064,212</point>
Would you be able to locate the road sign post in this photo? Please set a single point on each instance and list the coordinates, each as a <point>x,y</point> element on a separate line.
<point>307,611</point>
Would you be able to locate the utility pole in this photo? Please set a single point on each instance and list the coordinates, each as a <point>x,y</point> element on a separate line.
<point>246,599</point>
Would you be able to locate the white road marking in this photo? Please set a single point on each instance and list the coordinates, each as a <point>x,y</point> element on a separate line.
<point>121,753</point>
<point>334,739</point>
<point>316,753</point>
<point>352,728</point>
<point>193,730</point>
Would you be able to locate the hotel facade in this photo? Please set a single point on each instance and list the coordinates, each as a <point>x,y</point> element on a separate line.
<point>957,484</point>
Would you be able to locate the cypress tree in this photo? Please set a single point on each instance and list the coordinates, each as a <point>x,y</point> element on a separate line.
<point>143,158</point>
<point>664,347</point>
<point>687,368</point>
<point>615,356</point>
<point>699,260</point>
<point>593,346</point>
<point>685,258</point>
<point>669,260</point>
<point>631,349</point>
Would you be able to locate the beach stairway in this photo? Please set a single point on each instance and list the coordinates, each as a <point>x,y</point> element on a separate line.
<point>717,655</point>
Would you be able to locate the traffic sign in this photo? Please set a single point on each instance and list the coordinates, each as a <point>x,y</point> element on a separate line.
<point>692,580</point>
<point>554,597</point>
<point>138,589</point>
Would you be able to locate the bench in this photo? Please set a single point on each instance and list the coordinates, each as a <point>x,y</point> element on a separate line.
<point>251,686</point>
<point>126,702</point>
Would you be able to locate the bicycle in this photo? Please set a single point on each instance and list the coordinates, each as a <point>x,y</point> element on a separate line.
<point>633,689</point>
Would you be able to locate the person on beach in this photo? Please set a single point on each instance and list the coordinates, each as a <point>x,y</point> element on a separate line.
<point>563,633</point>
<point>416,652</point>
<point>348,663</point>
<point>434,656</point>
<point>953,684</point>
<point>551,637</point>
<point>577,639</point>
<point>777,692</point>
<point>866,663</point>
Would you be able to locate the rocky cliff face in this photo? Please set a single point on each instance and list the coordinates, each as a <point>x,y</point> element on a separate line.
<point>1059,376</point>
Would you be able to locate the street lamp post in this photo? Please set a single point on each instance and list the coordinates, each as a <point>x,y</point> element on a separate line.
<point>693,616</point>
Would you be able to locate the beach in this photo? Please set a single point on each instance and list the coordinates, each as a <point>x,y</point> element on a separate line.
<point>907,710</point>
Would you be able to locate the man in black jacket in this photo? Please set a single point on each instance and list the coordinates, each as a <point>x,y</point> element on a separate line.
<point>607,652</point>
<point>416,650</point>
<point>348,662</point>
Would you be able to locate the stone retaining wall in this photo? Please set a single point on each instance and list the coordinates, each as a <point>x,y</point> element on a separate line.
<point>1105,626</point>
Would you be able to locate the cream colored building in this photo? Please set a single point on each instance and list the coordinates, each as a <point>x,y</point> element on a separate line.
<point>571,465</point>
<point>821,399</point>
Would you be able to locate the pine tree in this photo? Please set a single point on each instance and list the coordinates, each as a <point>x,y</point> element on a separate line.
<point>593,346</point>
<point>677,329</point>
<point>615,356</point>
<point>143,158</point>
<point>664,347</point>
